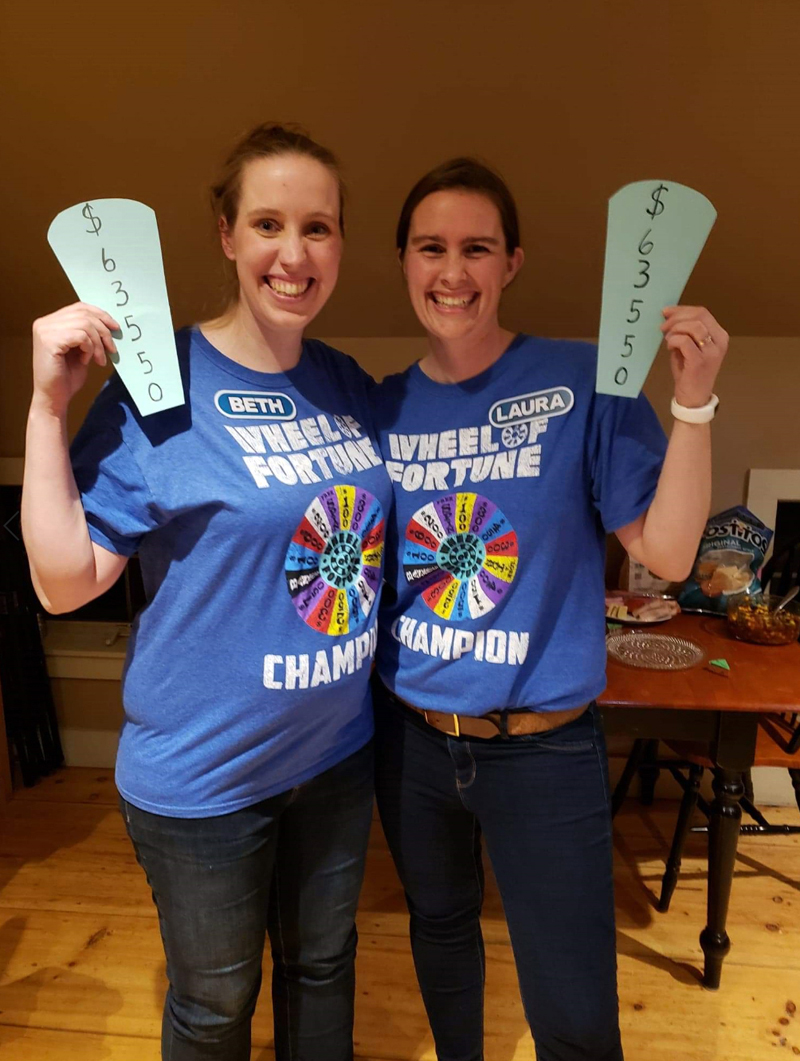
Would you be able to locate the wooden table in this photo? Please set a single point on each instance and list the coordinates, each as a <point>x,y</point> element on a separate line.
<point>720,711</point>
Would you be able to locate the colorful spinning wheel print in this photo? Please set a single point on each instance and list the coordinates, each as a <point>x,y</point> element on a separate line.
<point>463,554</point>
<point>333,563</point>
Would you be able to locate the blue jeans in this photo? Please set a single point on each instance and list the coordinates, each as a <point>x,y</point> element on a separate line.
<point>541,804</point>
<point>291,866</point>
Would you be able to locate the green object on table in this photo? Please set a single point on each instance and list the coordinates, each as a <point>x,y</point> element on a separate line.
<point>721,663</point>
<point>614,626</point>
<point>110,250</point>
<point>656,231</point>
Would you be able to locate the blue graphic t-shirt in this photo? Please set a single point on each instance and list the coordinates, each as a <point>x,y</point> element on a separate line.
<point>505,485</point>
<point>258,512</point>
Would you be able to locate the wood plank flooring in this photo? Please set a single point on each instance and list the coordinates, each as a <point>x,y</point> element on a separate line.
<point>82,972</point>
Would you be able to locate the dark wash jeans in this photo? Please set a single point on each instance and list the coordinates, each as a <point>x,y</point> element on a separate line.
<point>541,804</point>
<point>291,866</point>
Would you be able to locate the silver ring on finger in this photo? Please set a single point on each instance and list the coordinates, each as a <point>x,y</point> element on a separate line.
<point>704,342</point>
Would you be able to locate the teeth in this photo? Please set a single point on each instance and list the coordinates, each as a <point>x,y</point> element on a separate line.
<point>284,287</point>
<point>452,303</point>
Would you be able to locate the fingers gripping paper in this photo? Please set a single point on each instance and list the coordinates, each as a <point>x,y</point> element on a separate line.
<point>656,231</point>
<point>110,250</point>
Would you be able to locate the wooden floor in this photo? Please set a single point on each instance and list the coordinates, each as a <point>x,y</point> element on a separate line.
<point>82,973</point>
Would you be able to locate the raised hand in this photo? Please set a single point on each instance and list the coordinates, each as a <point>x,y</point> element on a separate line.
<point>64,345</point>
<point>697,346</point>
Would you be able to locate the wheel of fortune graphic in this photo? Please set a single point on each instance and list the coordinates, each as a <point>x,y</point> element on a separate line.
<point>333,563</point>
<point>462,553</point>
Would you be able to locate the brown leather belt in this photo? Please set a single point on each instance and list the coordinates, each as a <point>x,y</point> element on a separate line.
<point>495,723</point>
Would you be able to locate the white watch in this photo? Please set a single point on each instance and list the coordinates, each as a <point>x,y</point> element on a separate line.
<point>699,415</point>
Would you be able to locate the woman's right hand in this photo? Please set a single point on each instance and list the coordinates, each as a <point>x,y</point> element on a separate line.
<point>64,345</point>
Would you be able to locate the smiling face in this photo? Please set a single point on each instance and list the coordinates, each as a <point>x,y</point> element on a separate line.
<point>456,264</point>
<point>286,240</point>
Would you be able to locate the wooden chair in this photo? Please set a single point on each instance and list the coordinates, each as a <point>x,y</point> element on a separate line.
<point>776,745</point>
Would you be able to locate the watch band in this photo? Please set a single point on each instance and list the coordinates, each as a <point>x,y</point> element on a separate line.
<point>699,415</point>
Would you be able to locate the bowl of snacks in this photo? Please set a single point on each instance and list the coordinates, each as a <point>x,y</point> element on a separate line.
<point>753,617</point>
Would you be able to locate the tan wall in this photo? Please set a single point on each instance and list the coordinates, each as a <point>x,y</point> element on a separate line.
<point>570,99</point>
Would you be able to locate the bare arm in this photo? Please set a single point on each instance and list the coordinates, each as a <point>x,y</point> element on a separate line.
<point>67,568</point>
<point>665,538</point>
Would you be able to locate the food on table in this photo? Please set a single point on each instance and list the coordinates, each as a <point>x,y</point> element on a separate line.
<point>640,607</point>
<point>752,617</point>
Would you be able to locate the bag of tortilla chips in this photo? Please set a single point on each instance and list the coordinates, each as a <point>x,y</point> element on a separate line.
<point>731,553</point>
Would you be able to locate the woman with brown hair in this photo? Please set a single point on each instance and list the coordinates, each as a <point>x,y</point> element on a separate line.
<point>245,759</point>
<point>509,470</point>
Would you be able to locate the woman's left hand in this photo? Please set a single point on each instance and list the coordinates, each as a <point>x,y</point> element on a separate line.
<point>697,345</point>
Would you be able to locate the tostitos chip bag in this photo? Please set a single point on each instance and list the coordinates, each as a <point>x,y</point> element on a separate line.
<point>731,553</point>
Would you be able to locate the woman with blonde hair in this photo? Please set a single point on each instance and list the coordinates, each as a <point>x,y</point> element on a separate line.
<point>245,759</point>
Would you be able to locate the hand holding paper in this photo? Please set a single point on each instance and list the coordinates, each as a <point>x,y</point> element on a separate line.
<point>656,231</point>
<point>64,345</point>
<point>697,346</point>
<point>110,250</point>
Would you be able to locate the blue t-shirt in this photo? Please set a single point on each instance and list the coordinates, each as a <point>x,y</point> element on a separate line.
<point>258,512</point>
<point>505,485</point>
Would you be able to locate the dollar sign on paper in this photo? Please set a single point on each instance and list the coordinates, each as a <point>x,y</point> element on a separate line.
<point>96,223</point>
<point>657,207</point>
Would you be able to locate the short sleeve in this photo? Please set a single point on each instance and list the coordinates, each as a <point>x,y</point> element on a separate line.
<point>115,496</point>
<point>627,446</point>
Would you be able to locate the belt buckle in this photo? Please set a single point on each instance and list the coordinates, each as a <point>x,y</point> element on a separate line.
<point>448,733</point>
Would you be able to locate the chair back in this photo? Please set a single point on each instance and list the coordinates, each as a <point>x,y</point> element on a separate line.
<point>781,572</point>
